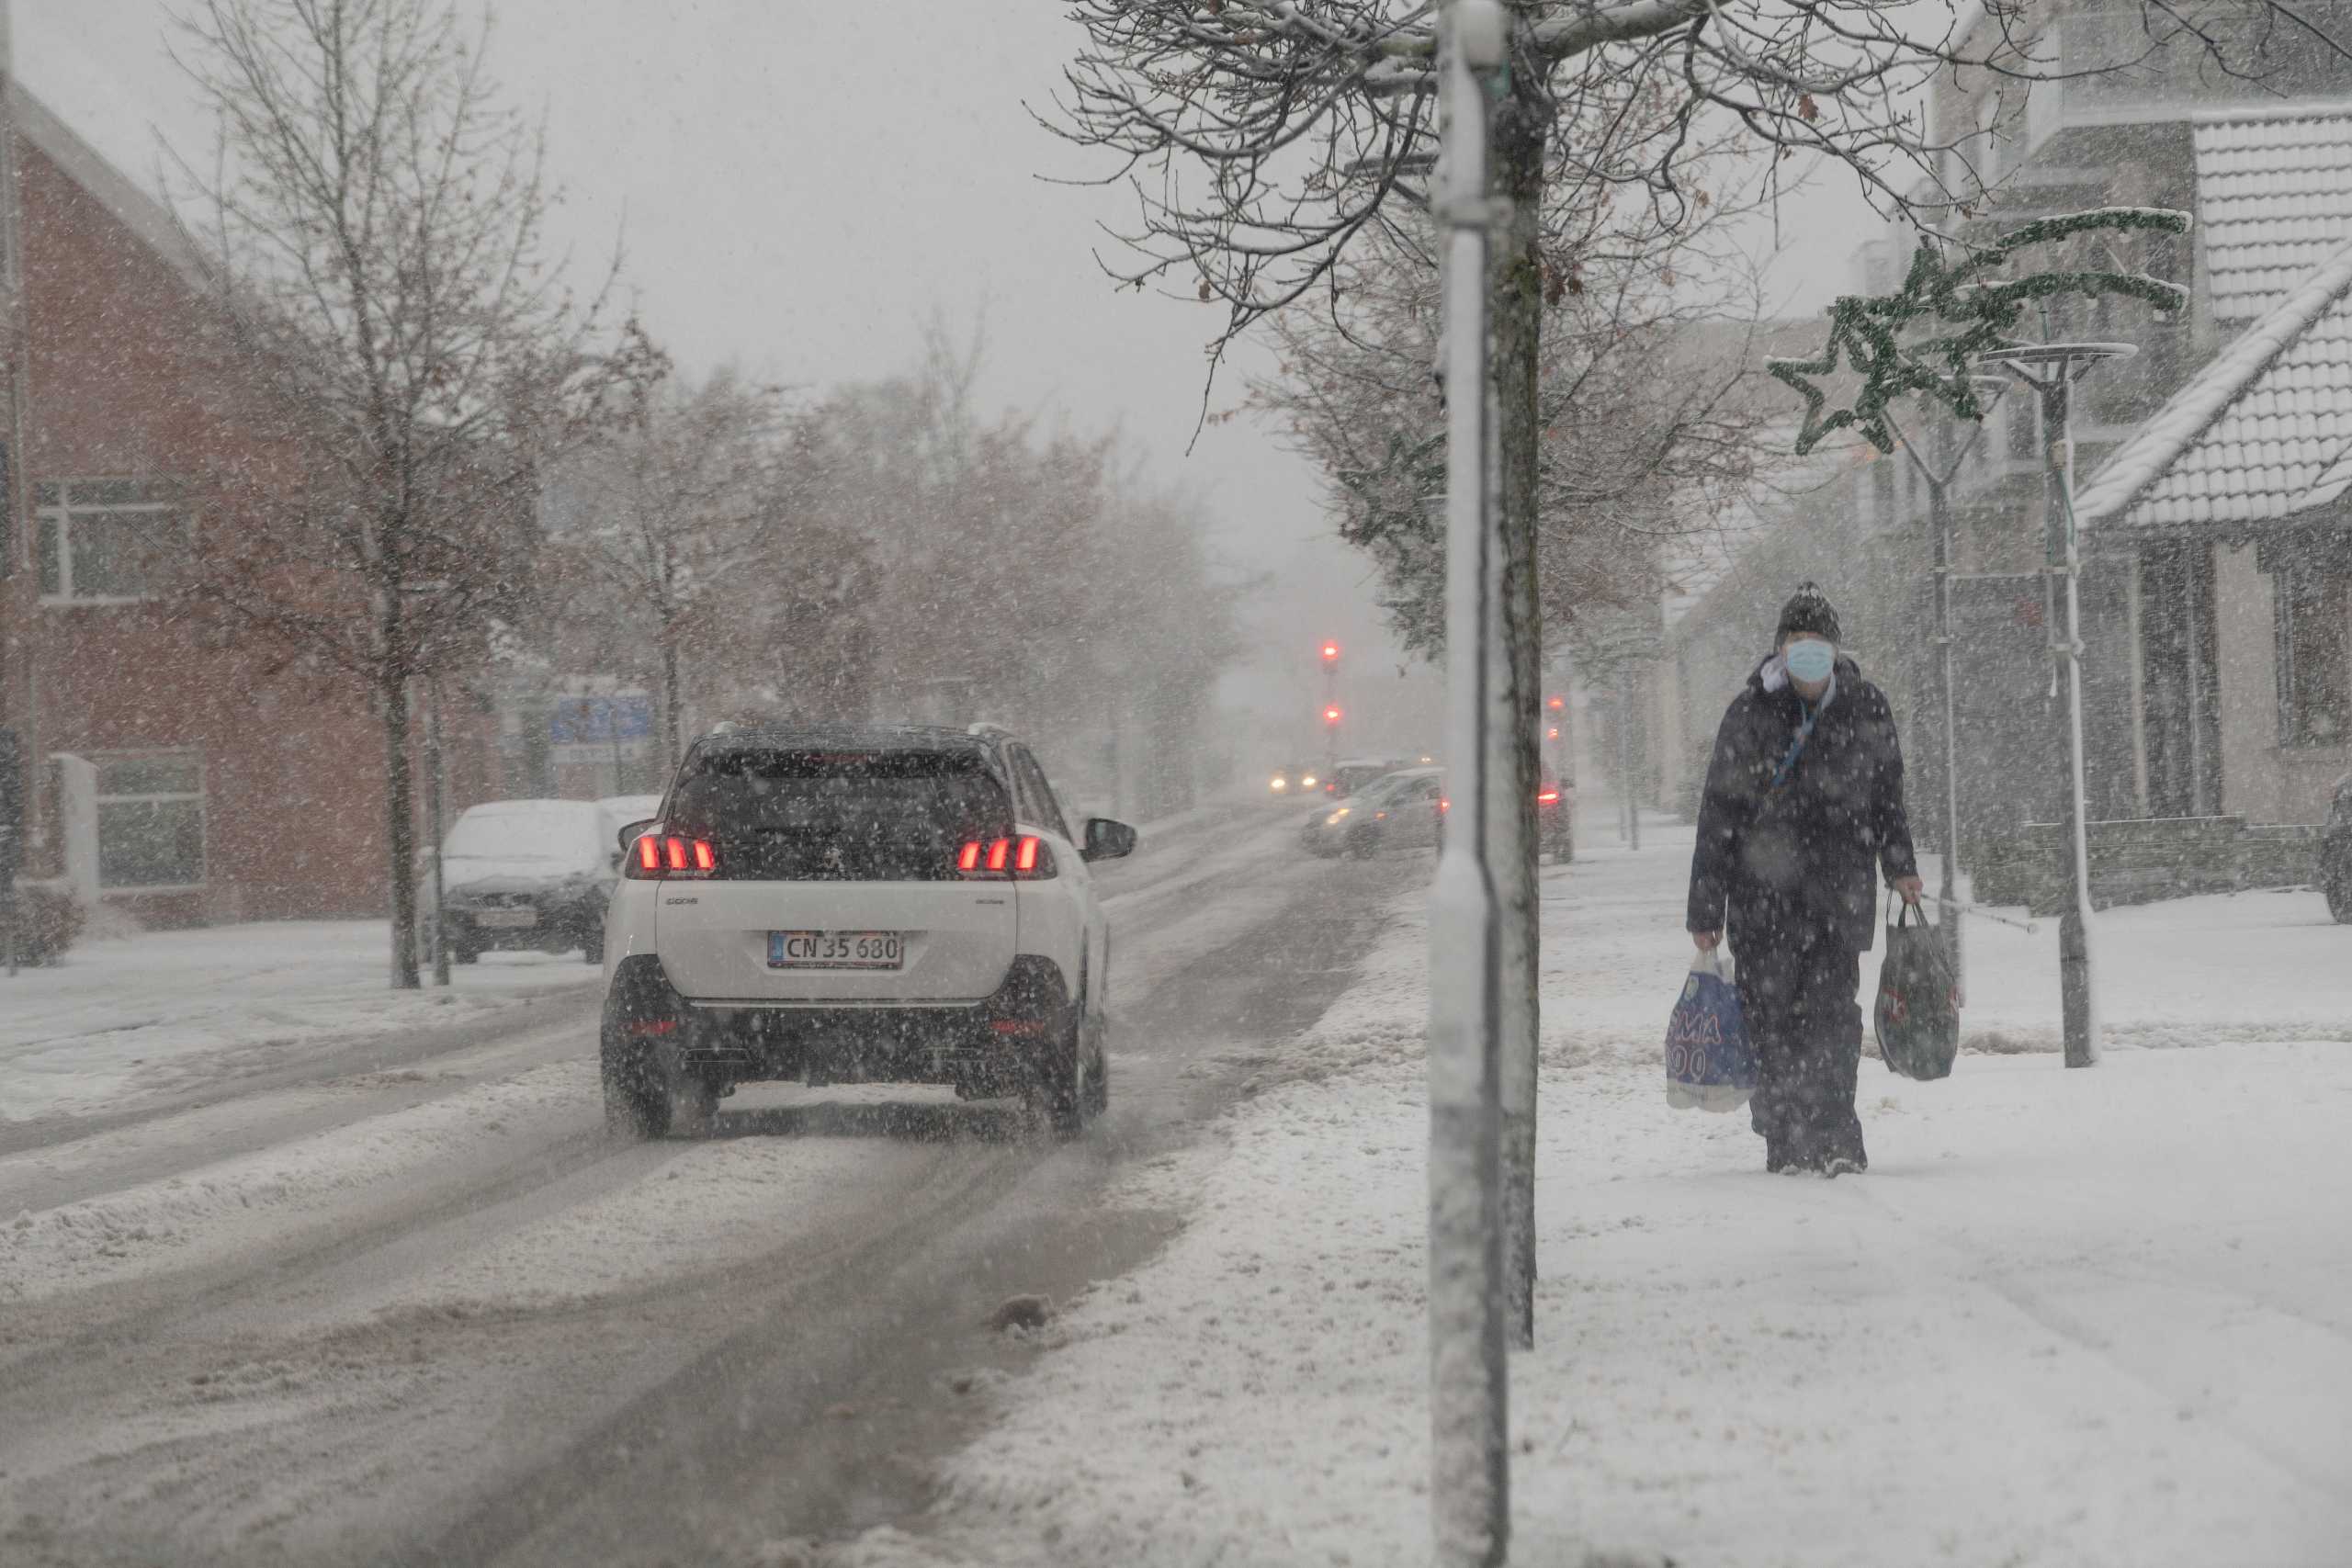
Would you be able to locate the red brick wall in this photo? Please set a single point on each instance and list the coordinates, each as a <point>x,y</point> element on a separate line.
<point>121,387</point>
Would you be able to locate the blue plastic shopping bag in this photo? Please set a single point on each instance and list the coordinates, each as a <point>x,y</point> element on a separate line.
<point>1709,1062</point>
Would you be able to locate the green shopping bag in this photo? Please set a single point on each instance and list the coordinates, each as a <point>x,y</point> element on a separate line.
<point>1917,1016</point>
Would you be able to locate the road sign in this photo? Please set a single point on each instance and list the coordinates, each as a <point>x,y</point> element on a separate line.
<point>618,724</point>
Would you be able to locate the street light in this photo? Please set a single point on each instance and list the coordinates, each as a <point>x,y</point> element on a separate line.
<point>1469,1369</point>
<point>2052,369</point>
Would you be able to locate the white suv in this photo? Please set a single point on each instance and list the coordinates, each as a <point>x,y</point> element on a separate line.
<point>856,904</point>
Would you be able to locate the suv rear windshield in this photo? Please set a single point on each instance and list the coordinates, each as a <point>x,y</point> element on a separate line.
<point>840,815</point>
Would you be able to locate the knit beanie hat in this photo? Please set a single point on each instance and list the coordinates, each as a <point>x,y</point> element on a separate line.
<point>1808,611</point>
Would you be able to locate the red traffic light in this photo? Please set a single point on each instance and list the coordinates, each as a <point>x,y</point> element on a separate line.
<point>1553,733</point>
<point>1331,714</point>
<point>1330,653</point>
<point>1555,702</point>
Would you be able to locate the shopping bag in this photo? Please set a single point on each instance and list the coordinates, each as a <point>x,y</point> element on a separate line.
<point>1708,1064</point>
<point>1917,1017</point>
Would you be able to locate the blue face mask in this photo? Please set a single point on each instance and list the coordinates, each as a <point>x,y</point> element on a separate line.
<point>1809,659</point>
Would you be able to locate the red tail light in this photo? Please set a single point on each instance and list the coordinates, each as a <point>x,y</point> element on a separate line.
<point>1025,858</point>
<point>1548,797</point>
<point>660,856</point>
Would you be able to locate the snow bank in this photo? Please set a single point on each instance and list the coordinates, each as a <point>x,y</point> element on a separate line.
<point>2079,1318</point>
<point>242,1206</point>
<point>143,1016</point>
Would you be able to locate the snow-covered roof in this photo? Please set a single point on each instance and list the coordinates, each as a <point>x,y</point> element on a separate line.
<point>2262,433</point>
<point>2274,198</point>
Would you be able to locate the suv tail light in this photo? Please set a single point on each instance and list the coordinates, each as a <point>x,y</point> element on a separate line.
<point>1025,858</point>
<point>1547,797</point>
<point>657,857</point>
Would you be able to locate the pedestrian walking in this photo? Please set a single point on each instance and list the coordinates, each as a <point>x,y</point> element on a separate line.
<point>1803,802</point>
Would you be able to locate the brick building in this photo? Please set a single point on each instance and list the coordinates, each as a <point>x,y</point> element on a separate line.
<point>188,775</point>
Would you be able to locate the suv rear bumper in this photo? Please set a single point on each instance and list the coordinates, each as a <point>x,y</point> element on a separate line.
<point>979,1047</point>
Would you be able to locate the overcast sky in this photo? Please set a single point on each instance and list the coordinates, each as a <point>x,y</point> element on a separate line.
<point>798,185</point>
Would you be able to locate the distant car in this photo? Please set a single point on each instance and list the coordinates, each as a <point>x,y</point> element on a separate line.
<point>2335,854</point>
<point>1353,773</point>
<point>526,875</point>
<point>1397,811</point>
<point>1555,819</point>
<point>859,905</point>
<point>1289,782</point>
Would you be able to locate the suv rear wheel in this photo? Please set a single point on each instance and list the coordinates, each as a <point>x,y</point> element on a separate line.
<point>636,1103</point>
<point>1056,1089</point>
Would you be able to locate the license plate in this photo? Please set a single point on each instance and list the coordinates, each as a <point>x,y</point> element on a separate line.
<point>837,950</point>
<point>507,918</point>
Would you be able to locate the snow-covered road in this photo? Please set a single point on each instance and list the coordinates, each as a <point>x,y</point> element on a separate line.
<point>430,1312</point>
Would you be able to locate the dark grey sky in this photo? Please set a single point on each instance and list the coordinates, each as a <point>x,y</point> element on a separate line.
<point>799,185</point>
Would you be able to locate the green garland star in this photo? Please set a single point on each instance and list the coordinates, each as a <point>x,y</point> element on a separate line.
<point>1982,315</point>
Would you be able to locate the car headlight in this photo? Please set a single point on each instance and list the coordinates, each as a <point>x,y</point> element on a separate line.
<point>1333,821</point>
<point>1278,784</point>
<point>1307,783</point>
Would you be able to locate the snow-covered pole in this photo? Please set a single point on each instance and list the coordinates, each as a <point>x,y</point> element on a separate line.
<point>1469,1453</point>
<point>2052,369</point>
<point>435,813</point>
<point>2078,1001</point>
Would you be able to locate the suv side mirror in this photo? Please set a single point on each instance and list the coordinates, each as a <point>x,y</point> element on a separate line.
<point>634,831</point>
<point>1106,839</point>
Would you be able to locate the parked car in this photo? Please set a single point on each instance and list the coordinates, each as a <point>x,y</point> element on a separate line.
<point>620,810</point>
<point>525,875</point>
<point>2335,854</point>
<point>858,905</point>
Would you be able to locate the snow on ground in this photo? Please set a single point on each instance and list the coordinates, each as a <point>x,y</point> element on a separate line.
<point>2067,1319</point>
<point>222,1211</point>
<point>132,1018</point>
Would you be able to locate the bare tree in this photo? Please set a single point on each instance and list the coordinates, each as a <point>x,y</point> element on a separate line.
<point>659,517</point>
<point>375,214</point>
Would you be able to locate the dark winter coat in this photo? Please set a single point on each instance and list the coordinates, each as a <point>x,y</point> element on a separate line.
<point>1798,860</point>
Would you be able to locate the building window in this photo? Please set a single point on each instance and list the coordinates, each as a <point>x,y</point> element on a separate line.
<point>105,539</point>
<point>2314,655</point>
<point>151,821</point>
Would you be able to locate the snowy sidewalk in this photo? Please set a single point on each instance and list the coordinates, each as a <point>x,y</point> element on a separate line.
<point>124,1019</point>
<point>2071,1318</point>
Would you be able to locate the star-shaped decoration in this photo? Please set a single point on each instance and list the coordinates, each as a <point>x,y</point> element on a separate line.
<point>1981,314</point>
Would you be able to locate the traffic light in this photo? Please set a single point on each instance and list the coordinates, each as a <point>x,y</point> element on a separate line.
<point>1330,652</point>
<point>1555,702</point>
<point>1553,733</point>
<point>1331,714</point>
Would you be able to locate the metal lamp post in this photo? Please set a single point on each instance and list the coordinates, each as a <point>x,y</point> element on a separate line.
<point>1469,1373</point>
<point>2052,369</point>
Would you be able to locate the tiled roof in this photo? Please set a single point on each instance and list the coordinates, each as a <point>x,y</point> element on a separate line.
<point>2274,198</point>
<point>2262,433</point>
